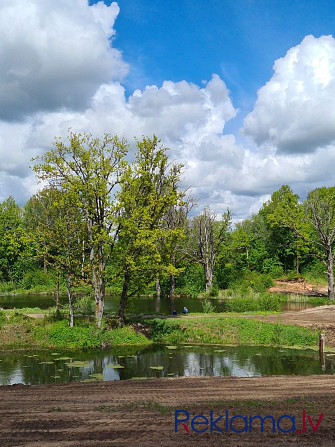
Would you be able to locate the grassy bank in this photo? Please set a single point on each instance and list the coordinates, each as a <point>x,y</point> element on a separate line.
<point>230,330</point>
<point>19,331</point>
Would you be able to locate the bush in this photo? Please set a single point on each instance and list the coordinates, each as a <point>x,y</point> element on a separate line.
<point>265,302</point>
<point>166,331</point>
<point>315,272</point>
<point>6,287</point>
<point>3,318</point>
<point>293,276</point>
<point>273,267</point>
<point>207,307</point>
<point>192,281</point>
<point>214,290</point>
<point>84,305</point>
<point>37,278</point>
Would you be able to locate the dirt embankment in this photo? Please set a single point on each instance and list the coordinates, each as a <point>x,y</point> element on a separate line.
<point>142,412</point>
<point>300,287</point>
<point>321,318</point>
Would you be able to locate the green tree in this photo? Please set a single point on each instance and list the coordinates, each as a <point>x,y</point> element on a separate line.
<point>14,244</point>
<point>176,218</point>
<point>312,221</point>
<point>87,171</point>
<point>149,188</point>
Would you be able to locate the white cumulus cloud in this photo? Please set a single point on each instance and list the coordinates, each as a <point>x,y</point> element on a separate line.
<point>295,110</point>
<point>60,71</point>
<point>55,54</point>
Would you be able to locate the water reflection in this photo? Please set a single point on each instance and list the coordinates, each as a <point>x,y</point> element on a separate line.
<point>39,367</point>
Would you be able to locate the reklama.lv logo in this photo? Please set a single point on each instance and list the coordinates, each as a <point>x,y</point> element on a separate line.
<point>200,423</point>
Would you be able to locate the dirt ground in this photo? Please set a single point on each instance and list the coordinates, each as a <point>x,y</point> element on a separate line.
<point>321,318</point>
<point>142,412</point>
<point>300,287</point>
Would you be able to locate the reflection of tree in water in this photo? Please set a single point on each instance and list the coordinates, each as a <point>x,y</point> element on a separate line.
<point>8,366</point>
<point>277,361</point>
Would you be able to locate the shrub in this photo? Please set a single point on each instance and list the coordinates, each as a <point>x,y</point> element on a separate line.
<point>207,307</point>
<point>6,287</point>
<point>214,290</point>
<point>37,278</point>
<point>265,302</point>
<point>84,305</point>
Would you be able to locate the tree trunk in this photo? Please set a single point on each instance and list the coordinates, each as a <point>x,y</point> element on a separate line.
<point>158,287</point>
<point>97,276</point>
<point>157,304</point>
<point>172,285</point>
<point>69,295</point>
<point>99,296</point>
<point>83,260</point>
<point>330,273</point>
<point>209,279</point>
<point>57,293</point>
<point>124,297</point>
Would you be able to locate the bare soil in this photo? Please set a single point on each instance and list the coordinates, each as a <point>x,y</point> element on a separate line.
<point>300,287</point>
<point>142,412</point>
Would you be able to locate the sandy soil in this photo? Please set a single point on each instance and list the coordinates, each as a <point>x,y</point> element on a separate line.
<point>300,287</point>
<point>142,412</point>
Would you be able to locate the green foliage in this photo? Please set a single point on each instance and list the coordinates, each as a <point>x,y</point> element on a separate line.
<point>3,318</point>
<point>61,335</point>
<point>315,272</point>
<point>6,287</point>
<point>252,280</point>
<point>273,267</point>
<point>159,328</point>
<point>192,281</point>
<point>37,278</point>
<point>265,302</point>
<point>84,305</point>
<point>207,307</point>
<point>149,188</point>
<point>214,291</point>
<point>312,222</point>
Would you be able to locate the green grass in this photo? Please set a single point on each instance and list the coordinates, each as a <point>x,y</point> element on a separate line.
<point>230,330</point>
<point>60,335</point>
<point>18,331</point>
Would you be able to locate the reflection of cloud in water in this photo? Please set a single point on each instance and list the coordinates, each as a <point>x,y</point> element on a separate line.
<point>217,365</point>
<point>14,379</point>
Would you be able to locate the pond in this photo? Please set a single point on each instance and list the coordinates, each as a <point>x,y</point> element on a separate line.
<point>139,305</point>
<point>41,367</point>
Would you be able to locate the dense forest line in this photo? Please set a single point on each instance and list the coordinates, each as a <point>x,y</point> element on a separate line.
<point>104,222</point>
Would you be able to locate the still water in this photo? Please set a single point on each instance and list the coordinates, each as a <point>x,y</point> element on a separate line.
<point>41,367</point>
<point>139,305</point>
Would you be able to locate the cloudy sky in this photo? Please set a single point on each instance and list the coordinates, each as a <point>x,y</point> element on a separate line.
<point>242,91</point>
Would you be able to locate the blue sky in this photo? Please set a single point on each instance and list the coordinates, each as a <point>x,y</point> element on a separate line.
<point>240,90</point>
<point>237,39</point>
